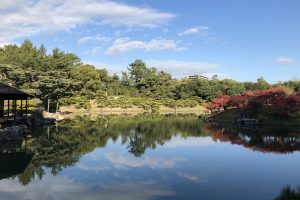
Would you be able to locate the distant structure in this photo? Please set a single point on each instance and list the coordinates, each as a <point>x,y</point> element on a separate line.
<point>198,77</point>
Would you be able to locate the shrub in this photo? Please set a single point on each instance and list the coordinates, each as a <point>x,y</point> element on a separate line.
<point>277,101</point>
<point>77,101</point>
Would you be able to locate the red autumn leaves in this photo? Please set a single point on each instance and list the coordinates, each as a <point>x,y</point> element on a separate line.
<point>220,102</point>
<point>278,101</point>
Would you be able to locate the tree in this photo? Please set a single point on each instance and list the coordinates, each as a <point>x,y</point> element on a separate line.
<point>28,67</point>
<point>231,87</point>
<point>239,101</point>
<point>221,102</point>
<point>148,82</point>
<point>294,85</point>
<point>138,72</point>
<point>262,84</point>
<point>163,86</point>
<point>293,103</point>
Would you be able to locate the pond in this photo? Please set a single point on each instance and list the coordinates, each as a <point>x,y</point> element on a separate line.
<point>150,157</point>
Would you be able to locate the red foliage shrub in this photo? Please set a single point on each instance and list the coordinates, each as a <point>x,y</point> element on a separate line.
<point>220,102</point>
<point>270,100</point>
<point>277,101</point>
<point>239,101</point>
<point>293,103</point>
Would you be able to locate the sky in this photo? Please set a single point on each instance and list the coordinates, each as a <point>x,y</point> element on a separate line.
<point>241,40</point>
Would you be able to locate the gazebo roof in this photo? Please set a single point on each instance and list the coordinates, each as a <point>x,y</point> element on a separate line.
<point>9,92</point>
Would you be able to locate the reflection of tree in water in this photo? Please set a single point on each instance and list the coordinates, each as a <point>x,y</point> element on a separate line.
<point>67,142</point>
<point>287,193</point>
<point>269,139</point>
<point>136,145</point>
<point>13,158</point>
<point>149,133</point>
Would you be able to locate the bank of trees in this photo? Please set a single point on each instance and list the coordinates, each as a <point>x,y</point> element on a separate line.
<point>63,77</point>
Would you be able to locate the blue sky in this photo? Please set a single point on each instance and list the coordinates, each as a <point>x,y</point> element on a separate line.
<point>242,40</point>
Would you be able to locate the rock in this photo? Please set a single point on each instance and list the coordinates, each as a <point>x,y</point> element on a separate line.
<point>55,116</point>
<point>60,118</point>
<point>44,118</point>
<point>11,133</point>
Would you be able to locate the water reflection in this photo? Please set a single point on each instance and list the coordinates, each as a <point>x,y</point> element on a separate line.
<point>147,157</point>
<point>288,193</point>
<point>268,139</point>
<point>68,141</point>
<point>65,188</point>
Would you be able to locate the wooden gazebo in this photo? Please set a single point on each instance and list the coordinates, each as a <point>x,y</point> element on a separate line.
<point>13,103</point>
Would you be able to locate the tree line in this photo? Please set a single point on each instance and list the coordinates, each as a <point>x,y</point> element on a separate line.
<point>63,77</point>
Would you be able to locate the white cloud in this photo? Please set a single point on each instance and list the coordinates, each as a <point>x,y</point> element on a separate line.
<point>120,161</point>
<point>96,50</point>
<point>125,44</point>
<point>188,177</point>
<point>98,38</point>
<point>5,43</point>
<point>25,18</point>
<point>59,186</point>
<point>201,30</point>
<point>284,60</point>
<point>89,168</point>
<point>110,67</point>
<point>189,142</point>
<point>183,68</point>
<point>62,188</point>
<point>192,178</point>
<point>176,68</point>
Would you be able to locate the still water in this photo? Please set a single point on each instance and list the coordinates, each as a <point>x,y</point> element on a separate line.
<point>150,157</point>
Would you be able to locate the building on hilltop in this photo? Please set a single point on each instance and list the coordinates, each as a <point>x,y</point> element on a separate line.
<point>197,77</point>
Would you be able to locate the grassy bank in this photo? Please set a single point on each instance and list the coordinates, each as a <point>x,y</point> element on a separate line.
<point>71,111</point>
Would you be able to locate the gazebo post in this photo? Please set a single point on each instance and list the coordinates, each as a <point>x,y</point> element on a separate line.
<point>26,107</point>
<point>15,108</point>
<point>21,109</point>
<point>1,108</point>
<point>8,107</point>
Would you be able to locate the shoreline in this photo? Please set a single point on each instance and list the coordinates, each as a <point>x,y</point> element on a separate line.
<point>70,112</point>
<point>229,116</point>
